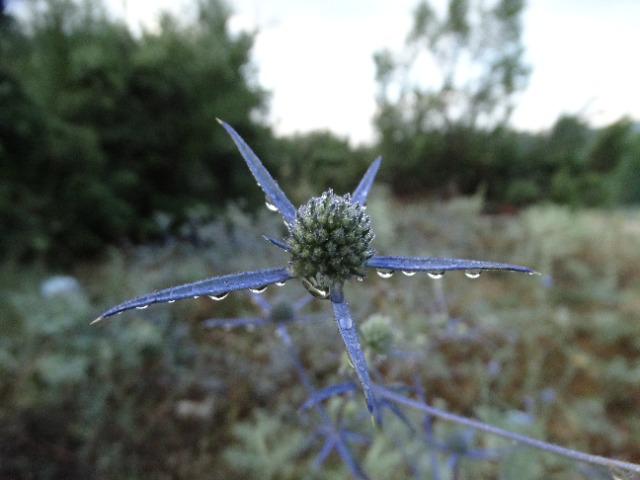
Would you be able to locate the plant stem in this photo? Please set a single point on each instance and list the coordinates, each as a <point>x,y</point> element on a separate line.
<point>532,442</point>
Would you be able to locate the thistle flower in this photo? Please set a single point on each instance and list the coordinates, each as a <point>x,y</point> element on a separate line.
<point>329,243</point>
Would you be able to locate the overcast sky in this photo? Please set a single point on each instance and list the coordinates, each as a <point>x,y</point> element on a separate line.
<point>316,57</point>
<point>583,54</point>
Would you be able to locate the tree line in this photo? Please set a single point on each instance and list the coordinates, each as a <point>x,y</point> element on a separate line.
<point>109,136</point>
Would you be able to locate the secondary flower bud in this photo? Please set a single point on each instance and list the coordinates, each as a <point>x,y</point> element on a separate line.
<point>282,311</point>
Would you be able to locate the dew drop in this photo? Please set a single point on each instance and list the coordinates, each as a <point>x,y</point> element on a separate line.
<point>312,288</point>
<point>319,293</point>
<point>219,296</point>
<point>258,289</point>
<point>142,307</point>
<point>408,273</point>
<point>360,279</point>
<point>472,273</point>
<point>385,273</point>
<point>347,323</point>
<point>271,206</point>
<point>436,275</point>
<point>171,301</point>
<point>620,474</point>
<point>281,284</point>
<point>195,296</point>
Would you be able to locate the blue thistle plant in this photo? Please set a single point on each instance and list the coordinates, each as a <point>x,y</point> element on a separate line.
<point>279,314</point>
<point>329,243</point>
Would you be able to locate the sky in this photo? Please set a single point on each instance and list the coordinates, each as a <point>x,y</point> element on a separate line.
<point>316,58</point>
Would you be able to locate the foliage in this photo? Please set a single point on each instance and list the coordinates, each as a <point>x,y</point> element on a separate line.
<point>122,125</point>
<point>624,175</point>
<point>132,404</point>
<point>265,448</point>
<point>446,133</point>
<point>533,358</point>
<point>571,164</point>
<point>474,58</point>
<point>317,161</point>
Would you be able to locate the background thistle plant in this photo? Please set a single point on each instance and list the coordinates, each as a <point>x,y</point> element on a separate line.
<point>279,314</point>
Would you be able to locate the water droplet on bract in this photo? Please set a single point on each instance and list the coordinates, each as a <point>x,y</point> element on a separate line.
<point>472,273</point>
<point>318,293</point>
<point>195,296</point>
<point>360,279</point>
<point>408,273</point>
<point>347,323</point>
<point>142,307</point>
<point>258,289</point>
<point>435,275</point>
<point>219,296</point>
<point>385,273</point>
<point>171,301</point>
<point>281,284</point>
<point>312,288</point>
<point>620,474</point>
<point>271,206</point>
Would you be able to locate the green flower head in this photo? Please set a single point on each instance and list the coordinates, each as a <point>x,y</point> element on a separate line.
<point>329,241</point>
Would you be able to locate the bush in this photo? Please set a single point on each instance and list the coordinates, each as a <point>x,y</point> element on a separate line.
<point>123,126</point>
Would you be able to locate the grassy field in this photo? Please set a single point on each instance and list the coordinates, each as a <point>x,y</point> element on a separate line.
<point>153,394</point>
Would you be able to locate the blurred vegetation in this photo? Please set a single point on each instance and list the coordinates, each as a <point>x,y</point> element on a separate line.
<point>152,394</point>
<point>101,130</point>
<point>314,162</point>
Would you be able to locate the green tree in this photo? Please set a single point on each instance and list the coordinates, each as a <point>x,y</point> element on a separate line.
<point>610,146</point>
<point>127,124</point>
<point>320,160</point>
<point>626,187</point>
<point>458,75</point>
<point>464,66</point>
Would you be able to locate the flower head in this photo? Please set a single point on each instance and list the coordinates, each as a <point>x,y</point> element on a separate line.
<point>329,242</point>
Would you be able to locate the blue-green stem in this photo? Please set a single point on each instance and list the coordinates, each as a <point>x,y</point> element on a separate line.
<point>522,439</point>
